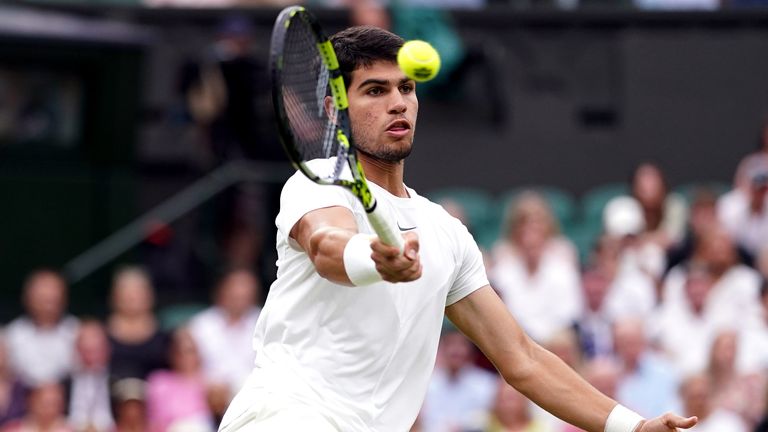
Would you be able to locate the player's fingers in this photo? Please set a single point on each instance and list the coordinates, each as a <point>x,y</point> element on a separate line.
<point>673,421</point>
<point>384,250</point>
<point>411,248</point>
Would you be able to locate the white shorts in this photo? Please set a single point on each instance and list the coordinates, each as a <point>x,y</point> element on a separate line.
<point>255,410</point>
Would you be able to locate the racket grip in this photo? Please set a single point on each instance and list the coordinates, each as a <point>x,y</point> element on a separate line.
<point>384,229</point>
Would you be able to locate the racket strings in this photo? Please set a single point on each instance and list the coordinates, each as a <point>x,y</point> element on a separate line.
<point>305,86</point>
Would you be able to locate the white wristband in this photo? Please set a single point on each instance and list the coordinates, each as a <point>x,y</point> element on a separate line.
<point>360,268</point>
<point>622,419</point>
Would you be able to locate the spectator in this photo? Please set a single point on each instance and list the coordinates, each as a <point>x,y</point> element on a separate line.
<point>630,291</point>
<point>12,392</point>
<point>744,212</point>
<point>176,398</point>
<point>227,327</point>
<point>755,159</point>
<point>664,213</point>
<point>533,265</point>
<point>513,412</point>
<point>623,220</point>
<point>594,326</point>
<point>45,412</point>
<point>138,345</point>
<point>735,289</point>
<point>41,342</point>
<point>648,385</point>
<point>460,393</point>
<point>734,389</point>
<point>128,405</point>
<point>696,393</point>
<point>88,388</point>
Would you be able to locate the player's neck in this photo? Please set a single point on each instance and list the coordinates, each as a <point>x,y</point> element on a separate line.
<point>388,175</point>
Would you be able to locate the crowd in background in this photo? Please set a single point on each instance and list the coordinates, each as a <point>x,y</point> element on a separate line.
<point>669,312</point>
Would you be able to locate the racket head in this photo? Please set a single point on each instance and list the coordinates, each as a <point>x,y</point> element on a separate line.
<point>309,98</point>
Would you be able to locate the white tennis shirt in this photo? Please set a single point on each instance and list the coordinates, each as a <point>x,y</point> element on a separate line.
<point>362,355</point>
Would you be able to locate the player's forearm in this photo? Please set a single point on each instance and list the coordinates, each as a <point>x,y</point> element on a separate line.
<point>326,250</point>
<point>557,388</point>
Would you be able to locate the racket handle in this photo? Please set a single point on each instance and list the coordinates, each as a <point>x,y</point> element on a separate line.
<point>388,234</point>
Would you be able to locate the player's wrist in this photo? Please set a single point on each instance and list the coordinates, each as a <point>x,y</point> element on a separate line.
<point>622,419</point>
<point>360,268</point>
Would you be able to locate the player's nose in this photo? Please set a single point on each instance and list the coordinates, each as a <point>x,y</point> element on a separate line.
<point>397,104</point>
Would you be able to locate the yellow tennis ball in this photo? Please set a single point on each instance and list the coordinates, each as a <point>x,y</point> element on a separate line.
<point>418,60</point>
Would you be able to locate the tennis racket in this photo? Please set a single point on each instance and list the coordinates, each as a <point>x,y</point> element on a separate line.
<point>317,140</point>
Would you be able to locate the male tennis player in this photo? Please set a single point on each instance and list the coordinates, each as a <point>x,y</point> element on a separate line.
<point>348,336</point>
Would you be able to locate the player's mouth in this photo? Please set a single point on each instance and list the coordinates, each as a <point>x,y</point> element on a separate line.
<point>398,128</point>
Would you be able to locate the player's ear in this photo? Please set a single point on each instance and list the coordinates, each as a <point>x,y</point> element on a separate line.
<point>330,109</point>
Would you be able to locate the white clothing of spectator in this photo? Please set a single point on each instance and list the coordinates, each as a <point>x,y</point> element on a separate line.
<point>744,211</point>
<point>224,332</point>
<point>41,342</point>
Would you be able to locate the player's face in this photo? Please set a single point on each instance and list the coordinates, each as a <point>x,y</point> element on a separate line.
<point>382,110</point>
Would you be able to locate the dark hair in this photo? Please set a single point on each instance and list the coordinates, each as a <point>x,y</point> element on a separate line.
<point>361,46</point>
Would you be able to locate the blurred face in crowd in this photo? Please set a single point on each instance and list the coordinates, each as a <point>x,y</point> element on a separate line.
<point>184,355</point>
<point>4,366</point>
<point>45,298</point>
<point>717,250</point>
<point>724,350</point>
<point>595,285</point>
<point>510,405</point>
<point>629,340</point>
<point>237,293</point>
<point>698,284</point>
<point>131,413</point>
<point>132,293</point>
<point>532,225</point>
<point>695,395</point>
<point>92,346</point>
<point>46,404</point>
<point>648,186</point>
<point>703,213</point>
<point>455,351</point>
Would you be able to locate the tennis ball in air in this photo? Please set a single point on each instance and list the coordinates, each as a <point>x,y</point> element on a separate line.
<point>419,60</point>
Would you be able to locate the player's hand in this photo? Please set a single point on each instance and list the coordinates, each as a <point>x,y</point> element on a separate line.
<point>667,423</point>
<point>394,266</point>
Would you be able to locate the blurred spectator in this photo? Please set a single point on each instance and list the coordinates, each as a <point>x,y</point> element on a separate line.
<point>128,405</point>
<point>732,388</point>
<point>623,220</point>
<point>744,211</point>
<point>12,392</point>
<point>41,342</point>
<point>88,388</point>
<point>702,217</point>
<point>45,412</point>
<point>696,393</point>
<point>629,291</point>
<point>685,330</point>
<point>664,212</point>
<point>532,265</point>
<point>176,398</point>
<point>138,345</point>
<point>648,384</point>
<point>735,289</point>
<point>228,94</point>
<point>460,394</point>
<point>755,159</point>
<point>227,327</point>
<point>513,412</point>
<point>594,325</point>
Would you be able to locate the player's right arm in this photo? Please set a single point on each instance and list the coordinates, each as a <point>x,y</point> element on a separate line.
<point>324,234</point>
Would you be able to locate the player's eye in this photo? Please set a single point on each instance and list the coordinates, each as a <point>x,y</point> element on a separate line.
<point>406,88</point>
<point>374,91</point>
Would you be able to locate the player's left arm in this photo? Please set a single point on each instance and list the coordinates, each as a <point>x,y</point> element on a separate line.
<point>537,373</point>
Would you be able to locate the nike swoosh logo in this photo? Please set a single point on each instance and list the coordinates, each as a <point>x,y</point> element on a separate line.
<point>405,229</point>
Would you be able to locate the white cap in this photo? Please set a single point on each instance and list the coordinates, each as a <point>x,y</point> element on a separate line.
<point>623,216</point>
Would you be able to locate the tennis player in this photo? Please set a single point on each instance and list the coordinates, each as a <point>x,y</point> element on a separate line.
<point>348,336</point>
